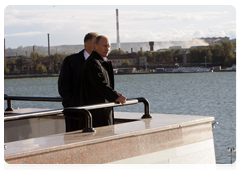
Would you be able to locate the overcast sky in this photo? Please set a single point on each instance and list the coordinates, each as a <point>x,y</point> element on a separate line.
<point>26,25</point>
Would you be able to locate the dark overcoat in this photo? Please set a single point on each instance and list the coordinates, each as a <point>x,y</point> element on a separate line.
<point>69,88</point>
<point>98,87</point>
<point>69,81</point>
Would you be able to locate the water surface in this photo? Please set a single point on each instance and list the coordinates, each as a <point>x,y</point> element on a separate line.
<point>206,94</point>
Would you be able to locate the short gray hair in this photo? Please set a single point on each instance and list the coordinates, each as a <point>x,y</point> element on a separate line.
<point>97,39</point>
<point>88,37</point>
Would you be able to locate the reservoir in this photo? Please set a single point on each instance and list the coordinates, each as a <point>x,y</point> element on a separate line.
<point>203,94</point>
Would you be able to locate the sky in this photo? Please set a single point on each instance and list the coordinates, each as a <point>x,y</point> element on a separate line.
<point>28,25</point>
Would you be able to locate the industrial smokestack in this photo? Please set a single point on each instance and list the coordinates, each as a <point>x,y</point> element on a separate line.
<point>4,48</point>
<point>140,48</point>
<point>151,43</point>
<point>131,50</point>
<point>118,40</point>
<point>48,45</point>
<point>34,48</point>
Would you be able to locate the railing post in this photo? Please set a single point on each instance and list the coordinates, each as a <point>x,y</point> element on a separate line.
<point>88,119</point>
<point>9,104</point>
<point>146,107</point>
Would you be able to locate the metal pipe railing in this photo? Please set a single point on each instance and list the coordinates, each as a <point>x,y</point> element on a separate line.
<point>33,115</point>
<point>59,99</point>
<point>28,98</point>
<point>87,114</point>
<point>82,109</point>
<point>100,106</point>
<point>114,104</point>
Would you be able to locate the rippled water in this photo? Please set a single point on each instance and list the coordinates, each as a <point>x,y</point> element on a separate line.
<point>206,94</point>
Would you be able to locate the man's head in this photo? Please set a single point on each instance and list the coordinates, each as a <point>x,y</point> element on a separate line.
<point>102,45</point>
<point>89,41</point>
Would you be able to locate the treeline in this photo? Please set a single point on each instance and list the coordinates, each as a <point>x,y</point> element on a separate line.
<point>214,53</point>
<point>221,53</point>
<point>35,63</point>
<point>168,56</point>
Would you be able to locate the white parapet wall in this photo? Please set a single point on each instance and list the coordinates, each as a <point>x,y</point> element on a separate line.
<point>197,153</point>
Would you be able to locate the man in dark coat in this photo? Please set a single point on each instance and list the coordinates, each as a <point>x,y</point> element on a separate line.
<point>69,81</point>
<point>98,83</point>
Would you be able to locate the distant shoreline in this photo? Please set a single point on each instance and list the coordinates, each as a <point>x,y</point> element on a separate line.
<point>56,75</point>
<point>29,76</point>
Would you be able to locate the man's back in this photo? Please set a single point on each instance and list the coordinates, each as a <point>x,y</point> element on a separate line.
<point>69,82</point>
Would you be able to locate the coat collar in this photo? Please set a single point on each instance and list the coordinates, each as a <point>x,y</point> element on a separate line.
<point>81,52</point>
<point>82,58</point>
<point>98,57</point>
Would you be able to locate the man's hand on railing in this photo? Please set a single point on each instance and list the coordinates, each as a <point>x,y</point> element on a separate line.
<point>121,99</point>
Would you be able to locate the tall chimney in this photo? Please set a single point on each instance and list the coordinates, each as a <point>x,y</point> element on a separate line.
<point>48,45</point>
<point>131,50</point>
<point>4,48</point>
<point>151,43</point>
<point>34,48</point>
<point>118,40</point>
<point>140,48</point>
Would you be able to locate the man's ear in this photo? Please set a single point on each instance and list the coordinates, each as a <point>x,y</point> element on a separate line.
<point>94,47</point>
<point>85,44</point>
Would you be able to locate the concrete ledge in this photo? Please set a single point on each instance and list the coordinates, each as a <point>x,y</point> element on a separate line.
<point>116,142</point>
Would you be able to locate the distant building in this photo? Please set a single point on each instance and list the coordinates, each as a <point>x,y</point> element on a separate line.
<point>161,51</point>
<point>142,61</point>
<point>215,40</point>
<point>175,47</point>
<point>185,57</point>
<point>127,70</point>
<point>118,59</point>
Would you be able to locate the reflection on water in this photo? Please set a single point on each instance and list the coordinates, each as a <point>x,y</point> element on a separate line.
<point>206,94</point>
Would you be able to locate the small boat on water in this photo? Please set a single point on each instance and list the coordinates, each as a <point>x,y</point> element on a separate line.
<point>37,136</point>
<point>115,71</point>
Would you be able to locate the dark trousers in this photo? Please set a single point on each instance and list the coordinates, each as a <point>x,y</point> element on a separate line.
<point>100,117</point>
<point>74,122</point>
